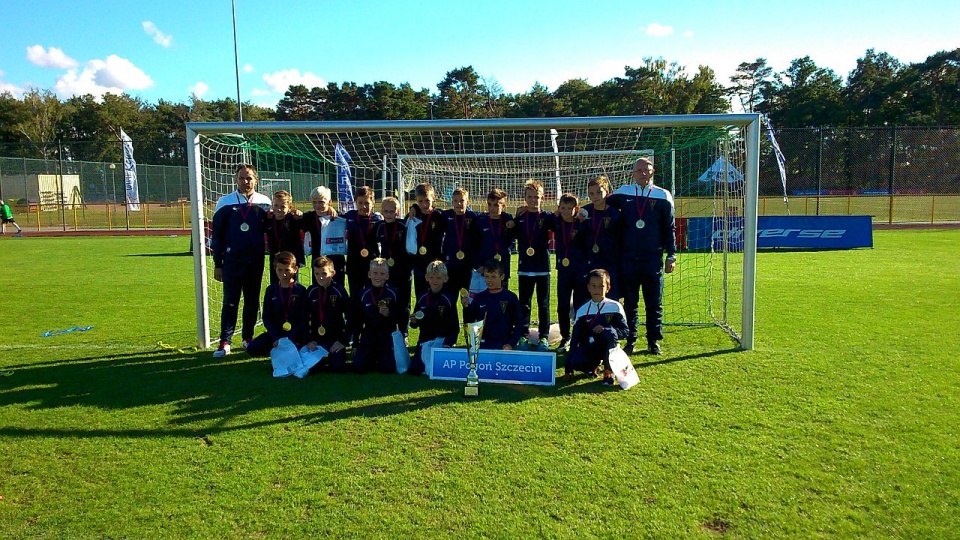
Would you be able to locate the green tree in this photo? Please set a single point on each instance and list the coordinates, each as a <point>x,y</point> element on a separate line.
<point>873,94</point>
<point>804,96</point>
<point>933,90</point>
<point>461,95</point>
<point>749,81</point>
<point>42,118</point>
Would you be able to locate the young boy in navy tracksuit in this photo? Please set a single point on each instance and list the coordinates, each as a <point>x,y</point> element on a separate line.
<point>435,314</point>
<point>377,316</point>
<point>604,225</point>
<point>430,232</point>
<point>458,242</point>
<point>571,236</point>
<point>284,305</point>
<point>499,307</point>
<point>283,231</point>
<point>327,308</point>
<point>362,244</point>
<point>601,324</point>
<point>533,273</point>
<point>391,234</point>
<point>493,236</point>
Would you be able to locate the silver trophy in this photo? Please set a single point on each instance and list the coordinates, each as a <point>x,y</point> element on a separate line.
<point>474,333</point>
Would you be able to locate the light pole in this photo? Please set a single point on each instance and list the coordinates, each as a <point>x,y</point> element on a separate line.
<point>236,59</point>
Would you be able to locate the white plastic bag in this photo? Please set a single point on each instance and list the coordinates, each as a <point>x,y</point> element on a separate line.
<point>400,353</point>
<point>477,285</point>
<point>308,359</point>
<point>426,354</point>
<point>412,246</point>
<point>285,358</point>
<point>307,244</point>
<point>333,235</point>
<point>623,369</point>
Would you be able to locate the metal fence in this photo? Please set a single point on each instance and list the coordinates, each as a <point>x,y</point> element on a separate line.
<point>895,174</point>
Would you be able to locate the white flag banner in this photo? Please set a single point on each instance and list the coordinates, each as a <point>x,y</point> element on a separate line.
<point>556,158</point>
<point>130,173</point>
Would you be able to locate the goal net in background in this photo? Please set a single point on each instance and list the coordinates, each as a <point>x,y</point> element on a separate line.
<point>713,283</point>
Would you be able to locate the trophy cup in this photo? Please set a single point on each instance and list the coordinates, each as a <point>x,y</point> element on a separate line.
<point>474,333</point>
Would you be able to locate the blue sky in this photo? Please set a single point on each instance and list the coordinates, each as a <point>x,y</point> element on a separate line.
<point>170,48</point>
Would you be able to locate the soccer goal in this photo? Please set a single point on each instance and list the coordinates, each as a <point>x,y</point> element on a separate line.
<point>716,214</point>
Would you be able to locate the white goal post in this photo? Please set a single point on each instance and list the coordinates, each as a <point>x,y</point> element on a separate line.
<point>714,282</point>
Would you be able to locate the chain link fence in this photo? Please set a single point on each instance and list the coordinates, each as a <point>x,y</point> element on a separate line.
<point>895,174</point>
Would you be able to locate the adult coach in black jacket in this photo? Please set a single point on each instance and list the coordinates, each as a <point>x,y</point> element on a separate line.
<point>648,232</point>
<point>237,243</point>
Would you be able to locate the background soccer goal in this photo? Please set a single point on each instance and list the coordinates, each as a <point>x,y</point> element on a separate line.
<point>716,213</point>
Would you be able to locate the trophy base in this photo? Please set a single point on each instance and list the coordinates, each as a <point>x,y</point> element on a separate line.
<point>471,391</point>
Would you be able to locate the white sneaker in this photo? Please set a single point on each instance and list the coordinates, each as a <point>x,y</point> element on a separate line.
<point>244,344</point>
<point>222,351</point>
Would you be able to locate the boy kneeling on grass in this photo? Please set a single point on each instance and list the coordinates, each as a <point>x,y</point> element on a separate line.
<point>601,324</point>
<point>378,315</point>
<point>435,314</point>
<point>284,308</point>
<point>327,309</point>
<point>500,307</point>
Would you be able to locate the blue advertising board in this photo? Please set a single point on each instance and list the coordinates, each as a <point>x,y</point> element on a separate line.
<point>800,232</point>
<point>512,367</point>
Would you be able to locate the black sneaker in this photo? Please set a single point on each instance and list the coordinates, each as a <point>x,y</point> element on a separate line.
<point>607,381</point>
<point>654,349</point>
<point>629,348</point>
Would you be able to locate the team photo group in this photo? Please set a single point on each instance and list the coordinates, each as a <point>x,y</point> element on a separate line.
<point>429,268</point>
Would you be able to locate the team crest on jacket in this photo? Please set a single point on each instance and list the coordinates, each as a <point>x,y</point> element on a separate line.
<point>606,223</point>
<point>442,310</point>
<point>653,204</point>
<point>609,317</point>
<point>333,300</point>
<point>503,306</point>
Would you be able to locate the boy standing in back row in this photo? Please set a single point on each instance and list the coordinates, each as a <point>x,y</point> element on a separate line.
<point>533,274</point>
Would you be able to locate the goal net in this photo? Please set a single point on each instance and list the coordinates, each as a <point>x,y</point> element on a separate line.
<point>709,163</point>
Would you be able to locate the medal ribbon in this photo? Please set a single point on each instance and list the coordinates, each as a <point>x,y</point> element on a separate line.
<point>565,236</point>
<point>244,212</point>
<point>426,229</point>
<point>526,227</point>
<point>646,199</point>
<point>285,306</point>
<point>496,235</point>
<point>390,237</point>
<point>363,236</point>
<point>597,316</point>
<point>276,230</point>
<point>597,224</point>
<point>321,302</point>
<point>459,228</point>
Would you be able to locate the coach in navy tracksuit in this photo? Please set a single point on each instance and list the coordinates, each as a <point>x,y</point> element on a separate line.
<point>237,243</point>
<point>648,232</point>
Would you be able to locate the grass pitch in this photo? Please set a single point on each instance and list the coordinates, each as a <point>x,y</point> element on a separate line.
<point>841,423</point>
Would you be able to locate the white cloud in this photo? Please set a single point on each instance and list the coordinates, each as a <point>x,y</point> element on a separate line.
<point>281,80</point>
<point>54,57</point>
<point>260,92</point>
<point>657,30</point>
<point>12,88</point>
<point>199,89</point>
<point>164,40</point>
<point>247,68</point>
<point>111,76</point>
<point>688,34</point>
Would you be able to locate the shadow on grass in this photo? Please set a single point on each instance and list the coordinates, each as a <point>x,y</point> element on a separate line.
<point>208,396</point>
<point>182,254</point>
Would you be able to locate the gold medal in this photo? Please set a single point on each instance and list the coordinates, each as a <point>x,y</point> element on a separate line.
<point>596,248</point>
<point>364,252</point>
<point>496,257</point>
<point>321,331</point>
<point>565,262</point>
<point>391,262</point>
<point>530,252</point>
<point>422,250</point>
<point>461,255</point>
<point>244,227</point>
<point>464,293</point>
<point>287,326</point>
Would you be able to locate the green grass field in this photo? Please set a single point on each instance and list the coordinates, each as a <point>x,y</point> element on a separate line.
<point>843,422</point>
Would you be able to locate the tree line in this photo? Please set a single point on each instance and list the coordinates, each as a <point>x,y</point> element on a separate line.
<point>879,91</point>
